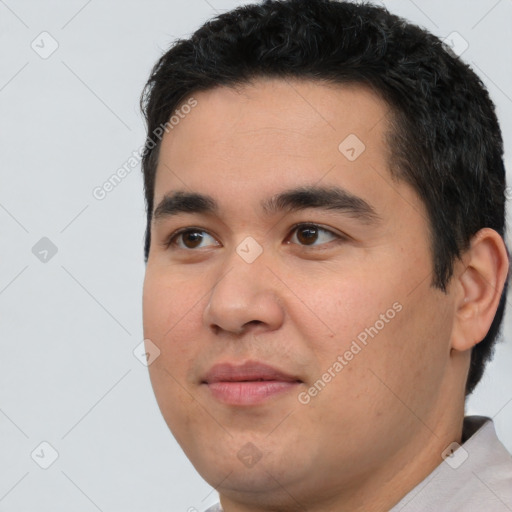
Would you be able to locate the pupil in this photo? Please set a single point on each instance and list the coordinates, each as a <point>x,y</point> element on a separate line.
<point>194,237</point>
<point>310,237</point>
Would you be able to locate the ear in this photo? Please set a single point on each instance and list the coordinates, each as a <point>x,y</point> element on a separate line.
<point>479,278</point>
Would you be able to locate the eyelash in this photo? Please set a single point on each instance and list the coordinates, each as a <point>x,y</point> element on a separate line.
<point>171,240</point>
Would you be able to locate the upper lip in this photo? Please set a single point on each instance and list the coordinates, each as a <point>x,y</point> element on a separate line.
<point>248,371</point>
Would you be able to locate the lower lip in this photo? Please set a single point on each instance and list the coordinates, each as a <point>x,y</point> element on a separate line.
<point>250,392</point>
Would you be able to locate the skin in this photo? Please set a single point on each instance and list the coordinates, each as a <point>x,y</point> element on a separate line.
<point>380,425</point>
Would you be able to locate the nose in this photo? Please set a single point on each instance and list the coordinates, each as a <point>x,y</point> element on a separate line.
<point>245,298</point>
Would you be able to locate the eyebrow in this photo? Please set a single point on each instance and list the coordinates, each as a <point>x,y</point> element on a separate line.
<point>296,199</point>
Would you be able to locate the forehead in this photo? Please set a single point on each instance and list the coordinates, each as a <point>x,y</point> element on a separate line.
<point>276,113</point>
<point>252,142</point>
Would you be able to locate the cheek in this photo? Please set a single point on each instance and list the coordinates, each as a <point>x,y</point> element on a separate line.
<point>350,308</point>
<point>167,303</point>
<point>171,319</point>
<point>383,335</point>
<point>168,314</point>
<point>400,365</point>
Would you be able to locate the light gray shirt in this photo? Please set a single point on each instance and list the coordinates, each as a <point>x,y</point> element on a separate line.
<point>475,477</point>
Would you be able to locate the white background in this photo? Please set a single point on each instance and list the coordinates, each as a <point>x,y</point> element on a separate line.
<point>68,326</point>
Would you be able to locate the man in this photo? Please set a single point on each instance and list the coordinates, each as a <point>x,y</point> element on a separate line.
<point>326,270</point>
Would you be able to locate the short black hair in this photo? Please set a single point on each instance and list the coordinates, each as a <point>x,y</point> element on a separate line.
<point>445,139</point>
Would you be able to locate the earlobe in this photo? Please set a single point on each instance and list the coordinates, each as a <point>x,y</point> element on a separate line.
<point>480,281</point>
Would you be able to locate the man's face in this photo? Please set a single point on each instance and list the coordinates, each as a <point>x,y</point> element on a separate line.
<point>337,301</point>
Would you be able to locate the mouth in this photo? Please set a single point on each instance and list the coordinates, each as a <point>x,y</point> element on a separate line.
<point>248,384</point>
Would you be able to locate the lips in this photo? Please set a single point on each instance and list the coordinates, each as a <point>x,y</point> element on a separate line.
<point>249,371</point>
<point>247,384</point>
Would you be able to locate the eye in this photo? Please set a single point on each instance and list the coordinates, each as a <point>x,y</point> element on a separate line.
<point>191,238</point>
<point>308,234</point>
<point>304,234</point>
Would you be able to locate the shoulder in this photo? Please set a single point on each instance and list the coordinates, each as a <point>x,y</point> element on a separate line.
<point>214,508</point>
<point>477,474</point>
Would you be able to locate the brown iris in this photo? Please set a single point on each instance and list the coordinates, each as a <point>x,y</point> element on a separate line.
<point>193,237</point>
<point>307,234</point>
